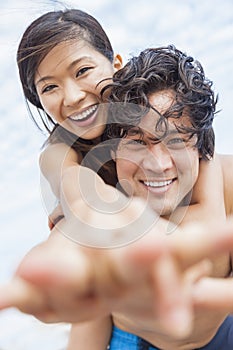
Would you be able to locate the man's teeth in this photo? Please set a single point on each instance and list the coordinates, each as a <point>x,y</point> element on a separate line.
<point>84,114</point>
<point>157,183</point>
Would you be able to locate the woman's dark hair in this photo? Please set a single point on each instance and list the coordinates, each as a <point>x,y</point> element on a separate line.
<point>157,69</point>
<point>44,34</point>
<point>38,40</point>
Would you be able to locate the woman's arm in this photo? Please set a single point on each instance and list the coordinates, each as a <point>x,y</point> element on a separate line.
<point>54,160</point>
<point>95,213</point>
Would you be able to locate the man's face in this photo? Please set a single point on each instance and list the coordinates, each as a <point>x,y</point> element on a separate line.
<point>161,172</point>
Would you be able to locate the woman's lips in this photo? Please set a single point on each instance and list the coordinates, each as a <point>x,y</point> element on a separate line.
<point>85,118</point>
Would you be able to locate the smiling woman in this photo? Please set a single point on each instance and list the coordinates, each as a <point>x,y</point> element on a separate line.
<point>68,84</point>
<point>63,57</point>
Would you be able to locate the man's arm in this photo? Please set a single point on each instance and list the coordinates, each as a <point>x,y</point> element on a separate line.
<point>62,281</point>
<point>227,170</point>
<point>91,335</point>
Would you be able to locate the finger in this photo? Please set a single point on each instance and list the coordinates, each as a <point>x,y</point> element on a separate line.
<point>195,242</point>
<point>59,264</point>
<point>136,259</point>
<point>20,294</point>
<point>172,303</point>
<point>198,271</point>
<point>214,293</point>
<point>188,245</point>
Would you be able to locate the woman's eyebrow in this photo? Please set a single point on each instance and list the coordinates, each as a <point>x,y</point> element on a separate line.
<point>41,80</point>
<point>71,65</point>
<point>78,60</point>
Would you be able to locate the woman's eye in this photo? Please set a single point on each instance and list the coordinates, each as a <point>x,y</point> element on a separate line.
<point>82,71</point>
<point>48,88</point>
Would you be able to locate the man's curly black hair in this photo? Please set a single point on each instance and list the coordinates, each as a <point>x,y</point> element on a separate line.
<point>158,69</point>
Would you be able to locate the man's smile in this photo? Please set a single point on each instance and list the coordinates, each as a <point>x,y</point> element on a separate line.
<point>158,186</point>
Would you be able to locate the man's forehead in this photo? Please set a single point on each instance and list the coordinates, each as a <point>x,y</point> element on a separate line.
<point>162,100</point>
<point>152,126</point>
<point>167,119</point>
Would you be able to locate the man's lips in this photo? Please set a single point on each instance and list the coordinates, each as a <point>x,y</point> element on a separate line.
<point>157,184</point>
<point>158,187</point>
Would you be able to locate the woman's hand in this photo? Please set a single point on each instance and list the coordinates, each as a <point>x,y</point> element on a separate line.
<point>55,216</point>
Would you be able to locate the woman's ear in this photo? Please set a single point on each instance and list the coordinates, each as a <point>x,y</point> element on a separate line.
<point>113,155</point>
<point>118,62</point>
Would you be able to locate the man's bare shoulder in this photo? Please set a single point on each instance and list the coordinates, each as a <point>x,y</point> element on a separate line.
<point>227,170</point>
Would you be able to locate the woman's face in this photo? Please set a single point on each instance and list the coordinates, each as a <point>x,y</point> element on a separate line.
<point>68,85</point>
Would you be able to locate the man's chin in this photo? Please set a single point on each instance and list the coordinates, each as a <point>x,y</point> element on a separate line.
<point>164,211</point>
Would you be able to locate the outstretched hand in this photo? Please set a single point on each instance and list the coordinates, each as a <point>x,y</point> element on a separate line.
<point>60,280</point>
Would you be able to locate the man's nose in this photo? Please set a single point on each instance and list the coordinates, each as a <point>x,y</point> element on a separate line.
<point>157,158</point>
<point>73,94</point>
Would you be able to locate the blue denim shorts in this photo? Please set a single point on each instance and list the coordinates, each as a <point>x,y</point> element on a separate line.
<point>122,340</point>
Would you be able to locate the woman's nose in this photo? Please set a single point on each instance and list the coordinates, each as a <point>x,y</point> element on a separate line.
<point>73,94</point>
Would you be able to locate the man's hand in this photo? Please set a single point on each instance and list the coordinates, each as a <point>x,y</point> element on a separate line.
<point>60,280</point>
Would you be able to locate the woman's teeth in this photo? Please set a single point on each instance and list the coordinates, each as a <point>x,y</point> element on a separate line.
<point>84,115</point>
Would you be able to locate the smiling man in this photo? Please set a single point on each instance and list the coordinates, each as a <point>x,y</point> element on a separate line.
<point>160,166</point>
<point>162,111</point>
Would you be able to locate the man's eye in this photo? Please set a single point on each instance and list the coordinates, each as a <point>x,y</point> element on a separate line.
<point>131,145</point>
<point>136,142</point>
<point>48,88</point>
<point>176,142</point>
<point>82,71</point>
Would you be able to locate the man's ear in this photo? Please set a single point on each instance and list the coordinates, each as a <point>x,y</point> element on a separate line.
<point>113,155</point>
<point>118,62</point>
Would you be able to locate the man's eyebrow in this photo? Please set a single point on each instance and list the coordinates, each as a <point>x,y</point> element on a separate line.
<point>173,131</point>
<point>152,135</point>
<point>166,132</point>
<point>71,65</point>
